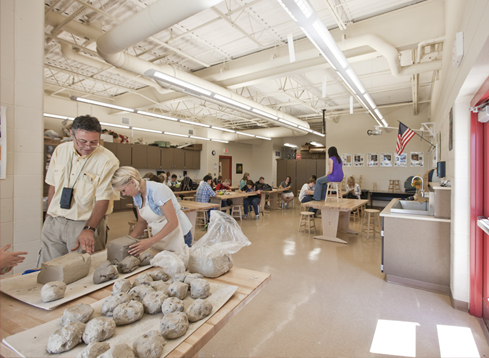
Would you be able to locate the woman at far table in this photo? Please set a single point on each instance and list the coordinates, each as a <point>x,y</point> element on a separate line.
<point>287,195</point>
<point>158,208</point>
<point>335,174</point>
<point>253,200</point>
<point>242,183</point>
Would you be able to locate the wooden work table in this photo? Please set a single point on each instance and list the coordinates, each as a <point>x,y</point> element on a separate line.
<point>190,208</point>
<point>17,316</point>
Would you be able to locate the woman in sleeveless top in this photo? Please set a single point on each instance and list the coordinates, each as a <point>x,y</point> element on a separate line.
<point>335,174</point>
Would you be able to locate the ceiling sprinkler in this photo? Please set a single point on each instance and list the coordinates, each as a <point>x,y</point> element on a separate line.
<point>376,131</point>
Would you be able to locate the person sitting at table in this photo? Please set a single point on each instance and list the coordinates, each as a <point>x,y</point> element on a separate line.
<point>307,191</point>
<point>157,208</point>
<point>260,183</point>
<point>244,180</point>
<point>153,177</point>
<point>217,181</point>
<point>287,194</point>
<point>253,200</point>
<point>173,182</point>
<point>353,190</point>
<point>10,259</point>
<point>162,177</point>
<point>335,174</point>
<point>204,191</point>
<point>224,186</point>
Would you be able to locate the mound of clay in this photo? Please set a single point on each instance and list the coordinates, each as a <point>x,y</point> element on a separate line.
<point>66,338</point>
<point>210,266</point>
<point>152,302</point>
<point>149,345</point>
<point>147,256</point>
<point>174,325</point>
<point>121,285</point>
<point>99,329</point>
<point>53,291</point>
<point>77,313</point>
<point>128,264</point>
<point>192,277</point>
<point>67,268</point>
<point>142,279</point>
<point>200,288</point>
<point>178,290</point>
<point>159,275</point>
<point>128,312</point>
<point>180,277</point>
<point>117,250</point>
<point>171,305</point>
<point>160,286</point>
<point>93,350</point>
<point>139,292</point>
<point>119,351</point>
<point>104,272</point>
<point>113,301</point>
<point>198,310</point>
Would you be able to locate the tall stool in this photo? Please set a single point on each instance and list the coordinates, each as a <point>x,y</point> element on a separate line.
<point>397,186</point>
<point>332,186</point>
<point>201,219</point>
<point>391,189</point>
<point>374,186</point>
<point>236,212</point>
<point>306,221</point>
<point>375,215</point>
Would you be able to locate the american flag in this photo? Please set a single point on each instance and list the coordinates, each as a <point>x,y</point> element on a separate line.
<point>403,137</point>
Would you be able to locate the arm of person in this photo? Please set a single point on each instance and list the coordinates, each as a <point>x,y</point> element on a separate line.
<point>310,192</point>
<point>330,166</point>
<point>172,223</point>
<point>141,224</point>
<point>10,259</point>
<point>86,239</point>
<point>51,191</point>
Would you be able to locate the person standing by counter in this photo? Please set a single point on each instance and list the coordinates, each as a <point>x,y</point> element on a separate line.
<point>80,195</point>
<point>335,174</point>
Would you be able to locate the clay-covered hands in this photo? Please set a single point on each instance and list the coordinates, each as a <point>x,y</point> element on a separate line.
<point>141,246</point>
<point>86,241</point>
<point>10,259</point>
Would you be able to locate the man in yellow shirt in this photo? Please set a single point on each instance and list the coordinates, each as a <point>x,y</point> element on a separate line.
<point>80,193</point>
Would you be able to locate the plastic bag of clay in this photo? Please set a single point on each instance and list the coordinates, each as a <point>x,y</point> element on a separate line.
<point>169,261</point>
<point>211,255</point>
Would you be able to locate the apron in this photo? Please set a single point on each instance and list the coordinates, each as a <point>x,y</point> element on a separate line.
<point>173,241</point>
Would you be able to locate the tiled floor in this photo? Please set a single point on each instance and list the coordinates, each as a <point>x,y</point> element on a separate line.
<point>326,300</point>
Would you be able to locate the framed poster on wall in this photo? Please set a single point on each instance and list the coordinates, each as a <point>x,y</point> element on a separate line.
<point>3,142</point>
<point>239,168</point>
<point>372,160</point>
<point>386,160</point>
<point>417,159</point>
<point>358,159</point>
<point>346,159</point>
<point>401,160</point>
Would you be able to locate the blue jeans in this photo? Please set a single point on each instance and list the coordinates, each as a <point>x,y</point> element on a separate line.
<point>188,238</point>
<point>306,199</point>
<point>227,202</point>
<point>320,189</point>
<point>251,201</point>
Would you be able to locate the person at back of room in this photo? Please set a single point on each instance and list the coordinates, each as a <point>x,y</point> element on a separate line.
<point>353,190</point>
<point>217,181</point>
<point>244,180</point>
<point>306,193</point>
<point>224,186</point>
<point>287,194</point>
<point>80,195</point>
<point>153,177</point>
<point>173,182</point>
<point>260,183</point>
<point>158,209</point>
<point>335,174</point>
<point>204,191</point>
<point>253,200</point>
<point>163,178</point>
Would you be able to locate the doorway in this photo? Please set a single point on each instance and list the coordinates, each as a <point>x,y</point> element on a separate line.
<point>225,167</point>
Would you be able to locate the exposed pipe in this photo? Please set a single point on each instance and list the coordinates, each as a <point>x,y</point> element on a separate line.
<point>275,132</point>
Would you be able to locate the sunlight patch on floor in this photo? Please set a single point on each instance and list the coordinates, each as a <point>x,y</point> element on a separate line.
<point>395,338</point>
<point>456,341</point>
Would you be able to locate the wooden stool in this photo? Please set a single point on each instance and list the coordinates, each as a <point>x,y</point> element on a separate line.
<point>201,220</point>
<point>374,186</point>
<point>397,186</point>
<point>375,214</point>
<point>236,212</point>
<point>331,187</point>
<point>391,189</point>
<point>306,221</point>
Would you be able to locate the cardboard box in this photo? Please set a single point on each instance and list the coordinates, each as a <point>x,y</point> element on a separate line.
<point>194,147</point>
<point>305,147</point>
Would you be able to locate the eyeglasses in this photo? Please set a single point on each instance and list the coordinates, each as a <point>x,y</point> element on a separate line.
<point>83,143</point>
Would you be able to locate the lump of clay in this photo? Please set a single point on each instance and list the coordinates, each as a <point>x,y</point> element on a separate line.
<point>178,290</point>
<point>174,325</point>
<point>104,272</point>
<point>67,268</point>
<point>152,302</point>
<point>128,312</point>
<point>199,288</point>
<point>147,256</point>
<point>180,277</point>
<point>159,286</point>
<point>77,313</point>
<point>142,279</point>
<point>198,310</point>
<point>210,266</point>
<point>119,351</point>
<point>53,291</point>
<point>117,250</point>
<point>121,285</point>
<point>93,350</point>
<point>129,264</point>
<point>149,345</point>
<point>171,305</point>
<point>113,301</point>
<point>139,292</point>
<point>99,329</point>
<point>65,338</point>
<point>159,275</point>
<point>192,277</point>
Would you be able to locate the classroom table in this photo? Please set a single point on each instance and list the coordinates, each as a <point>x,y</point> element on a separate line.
<point>335,216</point>
<point>17,316</point>
<point>190,208</point>
<point>273,195</point>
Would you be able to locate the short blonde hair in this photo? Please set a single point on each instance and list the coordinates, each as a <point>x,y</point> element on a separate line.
<point>123,177</point>
<point>351,180</point>
<point>163,177</point>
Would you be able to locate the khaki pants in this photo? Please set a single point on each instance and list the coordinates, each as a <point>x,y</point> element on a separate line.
<point>59,236</point>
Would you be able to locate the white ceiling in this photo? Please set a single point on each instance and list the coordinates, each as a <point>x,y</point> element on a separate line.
<point>242,45</point>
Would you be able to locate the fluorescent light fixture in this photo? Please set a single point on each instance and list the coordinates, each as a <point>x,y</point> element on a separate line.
<point>103,104</point>
<point>144,113</point>
<point>266,138</point>
<point>178,82</point>
<point>370,101</point>
<point>305,129</point>
<point>57,116</point>
<point>195,123</point>
<point>246,134</point>
<point>265,114</point>
<point>385,123</point>
<point>345,82</point>
<point>287,9</point>
<point>305,8</point>
<point>318,48</point>
<point>290,145</point>
<point>287,122</point>
<point>146,130</point>
<point>329,41</point>
<point>176,134</point>
<point>202,138</point>
<point>319,134</point>
<point>355,80</point>
<point>220,141</point>
<point>222,129</point>
<point>231,101</point>
<point>316,144</point>
<point>377,112</point>
<point>114,125</point>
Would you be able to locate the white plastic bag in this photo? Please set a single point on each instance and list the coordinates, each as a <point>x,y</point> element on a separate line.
<point>170,262</point>
<point>211,255</point>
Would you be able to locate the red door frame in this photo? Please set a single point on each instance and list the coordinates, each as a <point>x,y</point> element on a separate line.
<point>230,165</point>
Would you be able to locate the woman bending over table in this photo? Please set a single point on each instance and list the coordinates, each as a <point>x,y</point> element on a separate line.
<point>253,200</point>
<point>287,194</point>
<point>335,174</point>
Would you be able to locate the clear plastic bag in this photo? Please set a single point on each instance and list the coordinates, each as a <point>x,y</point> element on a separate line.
<point>169,261</point>
<point>211,255</point>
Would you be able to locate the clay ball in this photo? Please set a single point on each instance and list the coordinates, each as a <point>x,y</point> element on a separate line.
<point>199,288</point>
<point>93,350</point>
<point>53,291</point>
<point>174,325</point>
<point>178,290</point>
<point>119,351</point>
<point>160,286</point>
<point>121,285</point>
<point>152,302</point>
<point>159,275</point>
<point>66,338</point>
<point>142,279</point>
<point>128,312</point>
<point>99,329</point>
<point>139,292</point>
<point>112,302</point>
<point>172,304</point>
<point>198,309</point>
<point>149,345</point>
<point>180,277</point>
<point>77,313</point>
<point>104,272</point>
<point>192,277</point>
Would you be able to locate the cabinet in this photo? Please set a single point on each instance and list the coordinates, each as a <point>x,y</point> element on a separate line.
<point>172,158</point>
<point>121,151</point>
<point>146,157</point>
<point>192,159</point>
<point>299,170</point>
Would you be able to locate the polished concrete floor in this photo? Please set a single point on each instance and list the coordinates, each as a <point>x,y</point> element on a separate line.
<point>330,300</point>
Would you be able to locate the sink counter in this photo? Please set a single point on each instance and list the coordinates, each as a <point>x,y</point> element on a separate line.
<point>387,213</point>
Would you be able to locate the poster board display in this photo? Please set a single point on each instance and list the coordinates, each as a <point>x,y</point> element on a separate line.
<point>372,160</point>
<point>359,159</point>
<point>346,159</point>
<point>417,159</point>
<point>386,160</point>
<point>401,160</point>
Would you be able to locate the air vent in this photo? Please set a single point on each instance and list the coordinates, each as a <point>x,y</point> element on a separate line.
<point>126,121</point>
<point>190,132</point>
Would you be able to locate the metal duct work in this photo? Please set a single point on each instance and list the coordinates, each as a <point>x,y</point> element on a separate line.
<point>275,132</point>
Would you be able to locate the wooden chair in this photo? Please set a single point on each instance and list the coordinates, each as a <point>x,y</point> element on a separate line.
<point>201,219</point>
<point>237,212</point>
<point>334,186</point>
<point>375,215</point>
<point>305,221</point>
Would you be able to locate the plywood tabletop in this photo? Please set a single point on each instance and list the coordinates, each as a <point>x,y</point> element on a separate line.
<point>189,205</point>
<point>343,205</point>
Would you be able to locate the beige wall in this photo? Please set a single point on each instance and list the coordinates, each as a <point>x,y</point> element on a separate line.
<point>22,28</point>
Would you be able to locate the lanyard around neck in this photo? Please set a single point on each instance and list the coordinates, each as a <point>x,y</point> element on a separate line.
<point>71,167</point>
